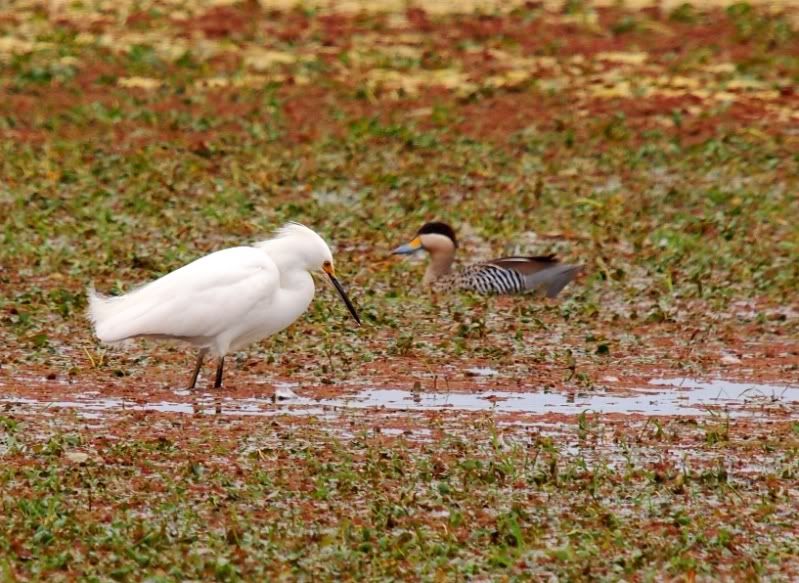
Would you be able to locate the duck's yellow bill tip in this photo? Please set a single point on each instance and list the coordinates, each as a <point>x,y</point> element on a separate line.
<point>409,248</point>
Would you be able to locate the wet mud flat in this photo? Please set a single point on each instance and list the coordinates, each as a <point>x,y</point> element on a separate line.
<point>570,419</point>
<point>700,474</point>
<point>660,397</point>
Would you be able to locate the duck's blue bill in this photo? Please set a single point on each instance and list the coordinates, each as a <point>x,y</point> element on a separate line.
<point>408,248</point>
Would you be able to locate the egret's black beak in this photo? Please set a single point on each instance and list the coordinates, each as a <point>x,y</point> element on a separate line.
<point>340,289</point>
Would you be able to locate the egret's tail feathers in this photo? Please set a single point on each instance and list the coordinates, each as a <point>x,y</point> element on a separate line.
<point>100,310</point>
<point>108,315</point>
<point>552,280</point>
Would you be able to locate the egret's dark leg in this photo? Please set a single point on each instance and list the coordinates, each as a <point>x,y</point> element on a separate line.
<point>218,383</point>
<point>200,357</point>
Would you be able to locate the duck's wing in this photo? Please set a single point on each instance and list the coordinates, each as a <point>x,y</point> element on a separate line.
<point>517,274</point>
<point>525,265</point>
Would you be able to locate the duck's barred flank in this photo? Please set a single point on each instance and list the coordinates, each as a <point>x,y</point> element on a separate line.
<point>484,279</point>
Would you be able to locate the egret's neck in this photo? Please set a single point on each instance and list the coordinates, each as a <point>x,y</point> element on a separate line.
<point>440,265</point>
<point>283,252</point>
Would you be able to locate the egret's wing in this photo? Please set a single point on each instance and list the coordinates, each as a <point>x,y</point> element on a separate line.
<point>199,300</point>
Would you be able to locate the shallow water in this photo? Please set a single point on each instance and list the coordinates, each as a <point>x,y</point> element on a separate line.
<point>662,397</point>
<point>683,397</point>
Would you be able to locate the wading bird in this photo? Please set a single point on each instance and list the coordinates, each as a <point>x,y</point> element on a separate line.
<point>506,275</point>
<point>224,301</point>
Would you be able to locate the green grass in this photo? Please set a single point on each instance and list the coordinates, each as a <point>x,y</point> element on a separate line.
<point>290,502</point>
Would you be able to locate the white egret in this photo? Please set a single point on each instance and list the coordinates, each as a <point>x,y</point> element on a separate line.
<point>224,301</point>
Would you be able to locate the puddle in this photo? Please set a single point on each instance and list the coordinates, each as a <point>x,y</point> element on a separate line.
<point>661,397</point>
<point>733,390</point>
<point>481,371</point>
<point>685,397</point>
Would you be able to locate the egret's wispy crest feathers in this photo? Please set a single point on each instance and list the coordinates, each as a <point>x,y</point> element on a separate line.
<point>289,229</point>
<point>294,228</point>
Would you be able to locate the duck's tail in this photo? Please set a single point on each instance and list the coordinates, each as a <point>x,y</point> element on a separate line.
<point>551,280</point>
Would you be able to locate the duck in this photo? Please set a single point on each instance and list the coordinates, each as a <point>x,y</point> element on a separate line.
<point>512,275</point>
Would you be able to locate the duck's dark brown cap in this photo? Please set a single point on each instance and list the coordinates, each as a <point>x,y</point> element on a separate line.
<point>438,228</point>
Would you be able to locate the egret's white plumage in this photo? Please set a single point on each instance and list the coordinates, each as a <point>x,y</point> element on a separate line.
<point>223,301</point>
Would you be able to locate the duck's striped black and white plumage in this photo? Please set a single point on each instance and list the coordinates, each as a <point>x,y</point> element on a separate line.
<point>512,275</point>
<point>507,275</point>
